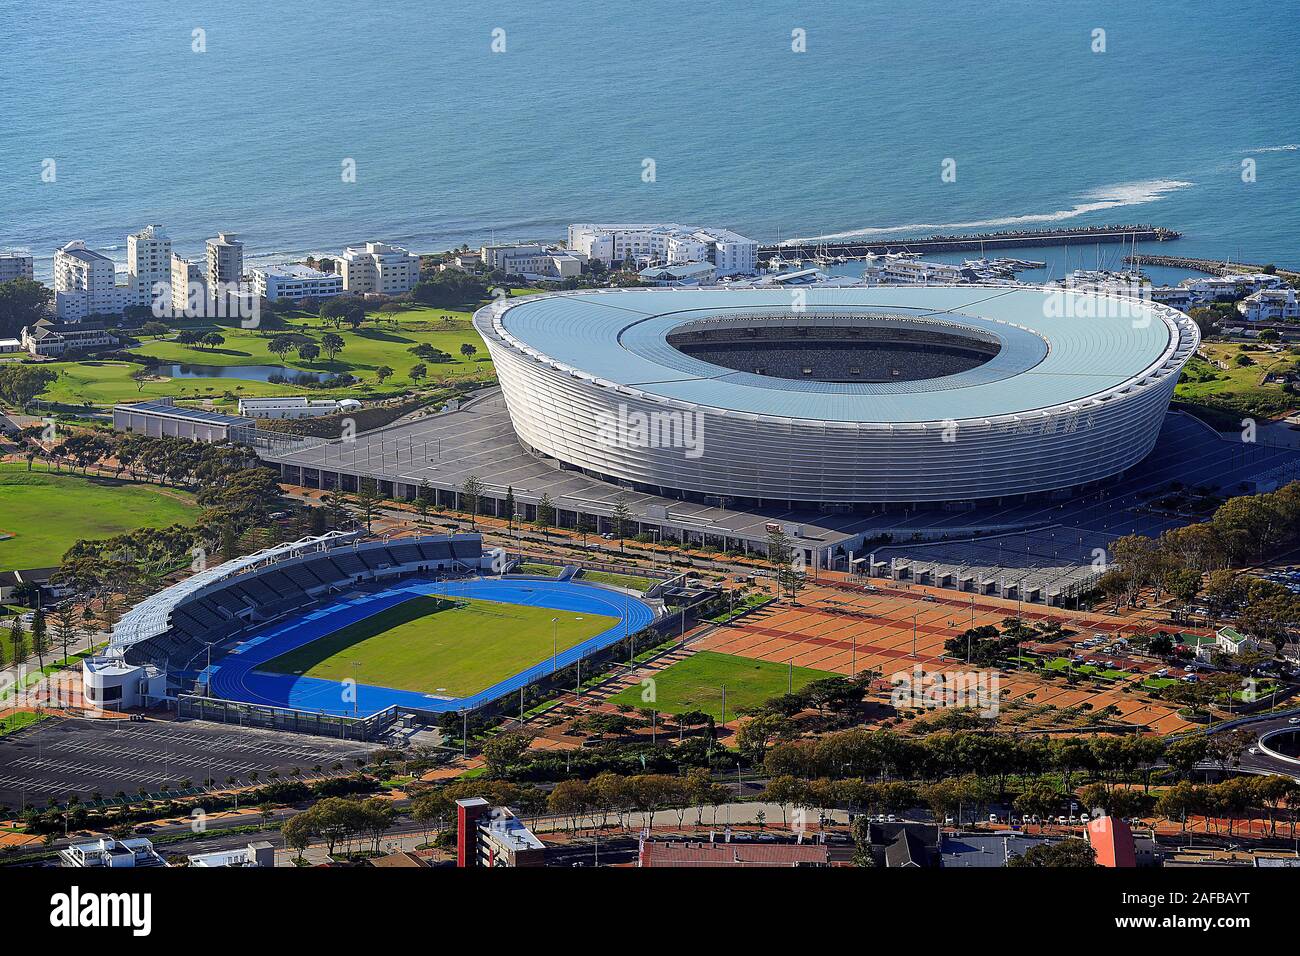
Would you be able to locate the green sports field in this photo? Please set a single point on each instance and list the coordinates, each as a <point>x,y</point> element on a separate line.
<point>46,513</point>
<point>696,684</point>
<point>441,647</point>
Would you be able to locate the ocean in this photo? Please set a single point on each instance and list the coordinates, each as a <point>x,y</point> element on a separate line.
<point>454,143</point>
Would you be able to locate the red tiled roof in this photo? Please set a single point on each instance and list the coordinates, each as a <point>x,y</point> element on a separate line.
<point>1113,841</point>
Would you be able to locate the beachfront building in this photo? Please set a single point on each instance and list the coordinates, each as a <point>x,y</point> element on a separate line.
<point>225,260</point>
<point>533,261</point>
<point>85,283</point>
<point>148,262</point>
<point>378,268</point>
<point>189,286</point>
<point>47,338</point>
<point>14,266</point>
<point>296,282</point>
<point>665,243</point>
<point>1271,305</point>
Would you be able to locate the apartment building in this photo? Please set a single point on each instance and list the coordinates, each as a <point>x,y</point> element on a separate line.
<point>378,268</point>
<point>189,286</point>
<point>1271,305</point>
<point>296,282</point>
<point>14,266</point>
<point>225,260</point>
<point>148,262</point>
<point>85,283</point>
<point>533,261</point>
<point>665,243</point>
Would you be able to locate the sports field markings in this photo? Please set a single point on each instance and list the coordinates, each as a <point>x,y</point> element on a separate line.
<point>448,646</point>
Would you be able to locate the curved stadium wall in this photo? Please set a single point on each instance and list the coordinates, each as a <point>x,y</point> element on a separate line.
<point>1068,400</point>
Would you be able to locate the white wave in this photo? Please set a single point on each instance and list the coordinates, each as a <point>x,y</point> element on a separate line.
<point>1286,148</point>
<point>1097,200</point>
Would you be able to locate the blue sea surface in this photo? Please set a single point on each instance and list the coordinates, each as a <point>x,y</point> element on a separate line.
<point>455,143</point>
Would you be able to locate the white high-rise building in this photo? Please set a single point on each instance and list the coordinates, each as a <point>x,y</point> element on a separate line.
<point>665,243</point>
<point>378,267</point>
<point>225,260</point>
<point>189,286</point>
<point>85,283</point>
<point>148,261</point>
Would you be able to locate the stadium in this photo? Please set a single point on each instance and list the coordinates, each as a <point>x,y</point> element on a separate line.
<point>833,398</point>
<point>341,627</point>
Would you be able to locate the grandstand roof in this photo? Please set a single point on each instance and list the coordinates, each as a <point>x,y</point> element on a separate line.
<point>1057,347</point>
<point>151,616</point>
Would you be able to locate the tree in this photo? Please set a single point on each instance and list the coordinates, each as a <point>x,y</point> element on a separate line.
<point>545,514</point>
<point>418,372</point>
<point>65,627</point>
<point>367,500</point>
<point>141,377</point>
<point>40,641</point>
<point>757,733</point>
<point>509,506</point>
<point>505,750</point>
<point>309,351</point>
<point>19,384</point>
<point>471,492</point>
<point>622,519</point>
<point>282,345</point>
<point>779,555</point>
<point>18,641</point>
<point>468,350</point>
<point>332,343</point>
<point>424,499</point>
<point>1067,853</point>
<point>298,832</point>
<point>383,373</point>
<point>213,339</point>
<point>340,309</point>
<point>22,302</point>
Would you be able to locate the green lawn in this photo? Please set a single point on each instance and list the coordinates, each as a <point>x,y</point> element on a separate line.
<point>49,512</point>
<point>697,682</point>
<point>1236,385</point>
<point>382,340</point>
<point>19,720</point>
<point>106,383</point>
<point>635,582</point>
<point>532,567</point>
<point>440,647</point>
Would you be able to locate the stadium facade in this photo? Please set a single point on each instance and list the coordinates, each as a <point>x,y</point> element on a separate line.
<point>829,398</point>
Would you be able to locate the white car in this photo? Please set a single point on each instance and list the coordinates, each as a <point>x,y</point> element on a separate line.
<point>1294,720</point>
<point>1253,750</point>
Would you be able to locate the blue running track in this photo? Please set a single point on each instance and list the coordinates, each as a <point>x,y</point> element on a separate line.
<point>236,677</point>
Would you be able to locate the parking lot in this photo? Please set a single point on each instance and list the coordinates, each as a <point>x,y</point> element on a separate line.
<point>97,759</point>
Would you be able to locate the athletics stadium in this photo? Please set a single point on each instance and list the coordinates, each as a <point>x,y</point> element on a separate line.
<point>337,626</point>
